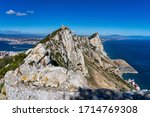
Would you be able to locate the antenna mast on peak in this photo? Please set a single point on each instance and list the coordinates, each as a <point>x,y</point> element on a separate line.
<point>63,27</point>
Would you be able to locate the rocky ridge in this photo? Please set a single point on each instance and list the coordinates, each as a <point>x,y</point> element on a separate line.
<point>61,64</point>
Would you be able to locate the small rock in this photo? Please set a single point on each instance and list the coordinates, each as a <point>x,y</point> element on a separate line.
<point>3,90</point>
<point>127,96</point>
<point>140,92</point>
<point>147,96</point>
<point>2,97</point>
<point>94,97</point>
<point>117,96</point>
<point>138,97</point>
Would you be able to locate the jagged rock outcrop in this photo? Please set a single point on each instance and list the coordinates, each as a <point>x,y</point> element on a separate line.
<point>61,64</point>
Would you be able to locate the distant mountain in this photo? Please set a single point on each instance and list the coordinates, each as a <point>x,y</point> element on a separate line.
<point>9,32</point>
<point>20,35</point>
<point>116,36</point>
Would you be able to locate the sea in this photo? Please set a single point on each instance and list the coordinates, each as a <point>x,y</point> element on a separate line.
<point>136,53</point>
<point>5,46</point>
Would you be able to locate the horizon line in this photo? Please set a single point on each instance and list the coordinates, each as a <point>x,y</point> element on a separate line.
<point>46,32</point>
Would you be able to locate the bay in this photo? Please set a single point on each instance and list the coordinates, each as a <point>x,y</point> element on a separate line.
<point>5,46</point>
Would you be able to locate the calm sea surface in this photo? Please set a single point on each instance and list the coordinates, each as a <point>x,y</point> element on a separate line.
<point>137,54</point>
<point>4,46</point>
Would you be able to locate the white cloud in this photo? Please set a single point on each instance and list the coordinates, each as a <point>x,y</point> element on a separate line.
<point>29,11</point>
<point>21,14</point>
<point>10,12</point>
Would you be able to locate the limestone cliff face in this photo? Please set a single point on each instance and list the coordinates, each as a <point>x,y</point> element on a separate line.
<point>61,64</point>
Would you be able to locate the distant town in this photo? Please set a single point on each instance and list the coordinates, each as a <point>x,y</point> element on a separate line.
<point>20,41</point>
<point>17,42</point>
<point>6,53</point>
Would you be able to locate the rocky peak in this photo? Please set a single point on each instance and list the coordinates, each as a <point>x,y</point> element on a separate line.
<point>95,35</point>
<point>63,62</point>
<point>64,27</point>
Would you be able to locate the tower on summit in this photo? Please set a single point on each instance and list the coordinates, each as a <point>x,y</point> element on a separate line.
<point>63,27</point>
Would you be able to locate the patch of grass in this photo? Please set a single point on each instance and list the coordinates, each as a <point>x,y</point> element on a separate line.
<point>109,77</point>
<point>10,63</point>
<point>48,37</point>
<point>1,86</point>
<point>45,40</point>
<point>55,32</point>
<point>121,80</point>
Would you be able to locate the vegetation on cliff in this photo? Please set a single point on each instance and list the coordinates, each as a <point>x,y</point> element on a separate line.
<point>10,63</point>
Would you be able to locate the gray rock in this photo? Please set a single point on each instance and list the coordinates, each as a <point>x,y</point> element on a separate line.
<point>128,96</point>
<point>147,96</point>
<point>140,92</point>
<point>138,97</point>
<point>117,96</point>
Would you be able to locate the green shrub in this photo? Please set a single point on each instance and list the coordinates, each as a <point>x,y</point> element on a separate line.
<point>10,63</point>
<point>48,37</point>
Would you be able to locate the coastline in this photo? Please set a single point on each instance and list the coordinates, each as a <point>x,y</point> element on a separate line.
<point>136,53</point>
<point>6,47</point>
<point>123,65</point>
<point>123,68</point>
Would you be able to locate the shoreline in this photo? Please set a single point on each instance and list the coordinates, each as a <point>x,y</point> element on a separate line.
<point>142,78</point>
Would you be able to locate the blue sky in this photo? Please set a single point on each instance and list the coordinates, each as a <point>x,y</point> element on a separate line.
<point>126,17</point>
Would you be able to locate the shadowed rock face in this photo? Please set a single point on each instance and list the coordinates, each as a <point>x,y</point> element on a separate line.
<point>59,65</point>
<point>107,94</point>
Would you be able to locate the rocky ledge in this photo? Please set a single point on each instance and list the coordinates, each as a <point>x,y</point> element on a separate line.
<point>62,64</point>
